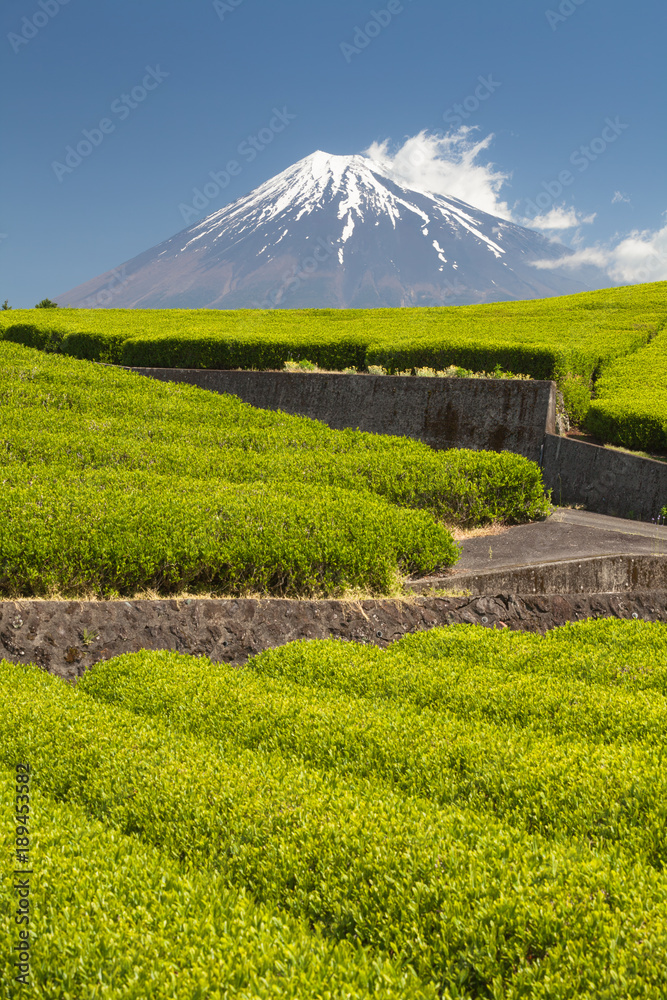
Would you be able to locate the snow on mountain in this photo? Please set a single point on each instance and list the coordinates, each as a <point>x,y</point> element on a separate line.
<point>335,232</point>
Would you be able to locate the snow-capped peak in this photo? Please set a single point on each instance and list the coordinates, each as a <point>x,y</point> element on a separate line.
<point>357,186</point>
<point>304,187</point>
<point>334,230</point>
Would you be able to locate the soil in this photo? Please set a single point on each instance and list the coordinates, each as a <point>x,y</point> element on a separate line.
<point>66,638</point>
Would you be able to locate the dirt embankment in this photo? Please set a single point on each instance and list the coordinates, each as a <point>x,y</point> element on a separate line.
<point>67,637</point>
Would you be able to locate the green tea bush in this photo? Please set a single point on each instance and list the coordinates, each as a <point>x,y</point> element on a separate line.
<point>110,535</point>
<point>113,917</point>
<point>571,338</point>
<point>182,488</point>
<point>44,337</point>
<point>576,391</point>
<point>630,408</point>
<point>451,751</point>
<point>539,362</point>
<point>481,810</point>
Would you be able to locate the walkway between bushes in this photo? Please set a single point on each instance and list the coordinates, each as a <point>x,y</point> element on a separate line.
<point>572,551</point>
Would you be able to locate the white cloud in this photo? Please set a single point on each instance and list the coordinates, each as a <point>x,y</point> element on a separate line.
<point>454,165</point>
<point>641,256</point>
<point>446,165</point>
<point>558,218</point>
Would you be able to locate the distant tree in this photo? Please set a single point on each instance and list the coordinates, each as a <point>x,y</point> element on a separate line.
<point>6,305</point>
<point>46,304</point>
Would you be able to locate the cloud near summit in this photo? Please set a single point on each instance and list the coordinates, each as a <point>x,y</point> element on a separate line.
<point>456,165</point>
<point>453,165</point>
<point>449,165</point>
<point>640,256</point>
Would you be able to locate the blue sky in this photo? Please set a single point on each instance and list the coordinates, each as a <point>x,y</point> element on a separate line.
<point>180,87</point>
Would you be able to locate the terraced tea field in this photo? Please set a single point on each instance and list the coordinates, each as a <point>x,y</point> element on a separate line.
<point>115,484</point>
<point>572,339</point>
<point>466,814</point>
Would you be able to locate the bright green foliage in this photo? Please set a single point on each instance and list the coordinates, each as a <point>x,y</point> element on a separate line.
<point>487,809</point>
<point>116,534</point>
<point>630,408</point>
<point>121,482</point>
<point>113,917</point>
<point>434,720</point>
<point>570,338</point>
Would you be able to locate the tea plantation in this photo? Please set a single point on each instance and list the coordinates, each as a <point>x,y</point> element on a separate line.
<point>467,814</point>
<point>114,484</point>
<point>572,339</point>
<point>630,408</point>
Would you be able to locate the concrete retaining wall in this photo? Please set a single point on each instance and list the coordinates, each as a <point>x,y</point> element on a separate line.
<point>483,414</point>
<point>614,574</point>
<point>51,633</point>
<point>604,480</point>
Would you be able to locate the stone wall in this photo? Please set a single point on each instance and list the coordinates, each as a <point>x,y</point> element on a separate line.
<point>66,638</point>
<point>483,414</point>
<point>603,480</point>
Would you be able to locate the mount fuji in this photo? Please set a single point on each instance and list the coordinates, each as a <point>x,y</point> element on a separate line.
<point>335,232</point>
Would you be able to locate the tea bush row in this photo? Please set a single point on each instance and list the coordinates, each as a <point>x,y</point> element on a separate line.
<point>605,322</point>
<point>550,769</point>
<point>139,483</point>
<point>554,898</point>
<point>114,917</point>
<point>630,408</point>
<point>111,535</point>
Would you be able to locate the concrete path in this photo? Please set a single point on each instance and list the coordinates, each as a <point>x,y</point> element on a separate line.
<point>572,551</point>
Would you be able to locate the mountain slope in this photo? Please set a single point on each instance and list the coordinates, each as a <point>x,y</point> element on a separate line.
<point>335,231</point>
